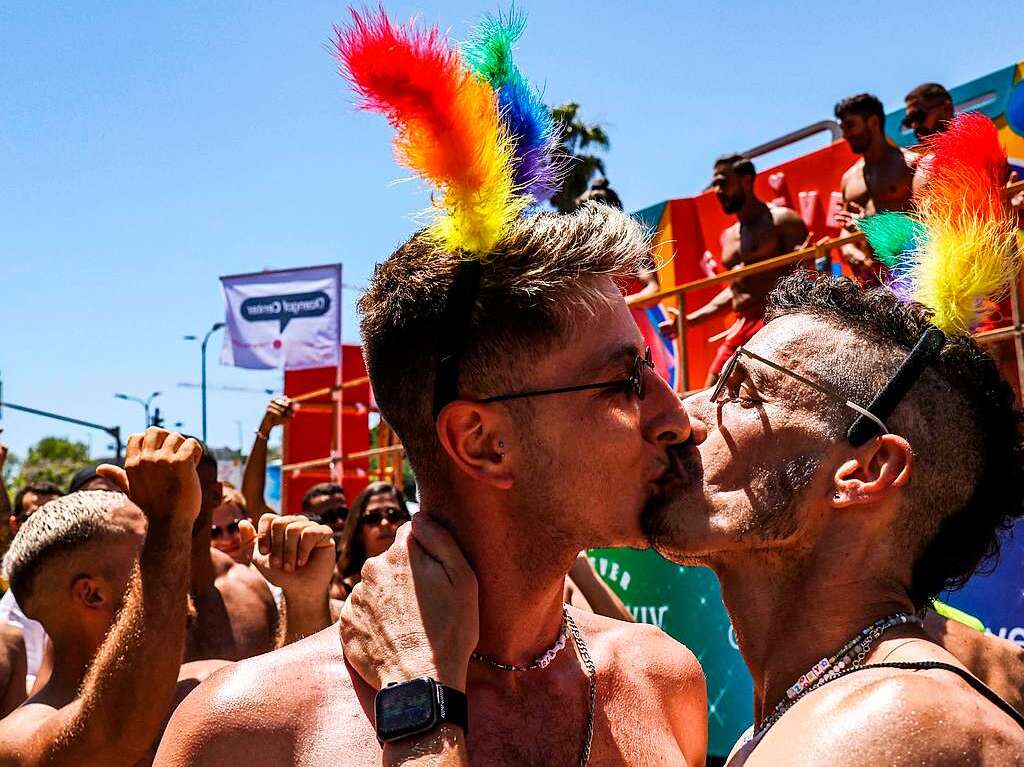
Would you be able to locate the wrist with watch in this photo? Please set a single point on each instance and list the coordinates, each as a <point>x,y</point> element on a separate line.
<point>419,706</point>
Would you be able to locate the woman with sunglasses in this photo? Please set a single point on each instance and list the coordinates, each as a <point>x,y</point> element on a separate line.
<point>224,534</point>
<point>370,529</point>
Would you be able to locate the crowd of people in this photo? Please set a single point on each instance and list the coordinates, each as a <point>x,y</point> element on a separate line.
<point>156,615</point>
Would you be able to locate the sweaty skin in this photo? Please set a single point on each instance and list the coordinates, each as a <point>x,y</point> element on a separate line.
<point>310,707</point>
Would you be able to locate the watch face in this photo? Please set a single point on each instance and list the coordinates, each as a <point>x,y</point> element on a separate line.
<point>405,709</point>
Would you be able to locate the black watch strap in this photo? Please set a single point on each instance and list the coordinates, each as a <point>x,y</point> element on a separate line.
<point>453,707</point>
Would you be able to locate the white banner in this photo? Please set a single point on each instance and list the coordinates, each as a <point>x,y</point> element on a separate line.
<point>289,319</point>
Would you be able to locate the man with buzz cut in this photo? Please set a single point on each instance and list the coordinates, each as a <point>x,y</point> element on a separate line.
<point>550,435</point>
<point>106,574</point>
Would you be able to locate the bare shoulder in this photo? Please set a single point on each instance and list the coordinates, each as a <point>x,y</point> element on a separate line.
<point>18,727</point>
<point>644,651</point>
<point>276,695</point>
<point>782,215</point>
<point>899,717</point>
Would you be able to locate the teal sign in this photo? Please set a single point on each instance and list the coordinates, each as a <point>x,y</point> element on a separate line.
<point>686,603</point>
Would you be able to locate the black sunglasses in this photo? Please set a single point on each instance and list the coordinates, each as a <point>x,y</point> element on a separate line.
<point>217,532</point>
<point>330,517</point>
<point>394,515</point>
<point>635,383</point>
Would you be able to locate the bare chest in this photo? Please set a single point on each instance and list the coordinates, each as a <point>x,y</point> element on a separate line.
<point>510,731</point>
<point>886,186</point>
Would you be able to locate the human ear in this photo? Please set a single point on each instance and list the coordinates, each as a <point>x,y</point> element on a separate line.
<point>471,435</point>
<point>876,471</point>
<point>89,592</point>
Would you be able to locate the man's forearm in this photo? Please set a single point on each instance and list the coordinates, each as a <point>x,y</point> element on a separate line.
<point>445,747</point>
<point>303,617</point>
<point>254,480</point>
<point>134,674</point>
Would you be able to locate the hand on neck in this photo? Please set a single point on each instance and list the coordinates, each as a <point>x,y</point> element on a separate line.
<point>520,571</point>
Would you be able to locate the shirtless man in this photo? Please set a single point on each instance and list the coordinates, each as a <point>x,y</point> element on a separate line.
<point>113,606</point>
<point>883,179</point>
<point>235,615</point>
<point>516,484</point>
<point>816,537</point>
<point>813,538</point>
<point>761,232</point>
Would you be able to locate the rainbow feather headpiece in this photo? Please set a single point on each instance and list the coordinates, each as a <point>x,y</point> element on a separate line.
<point>473,133</point>
<point>959,246</point>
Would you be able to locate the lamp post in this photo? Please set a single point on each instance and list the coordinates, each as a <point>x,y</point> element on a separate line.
<point>216,326</point>
<point>144,402</point>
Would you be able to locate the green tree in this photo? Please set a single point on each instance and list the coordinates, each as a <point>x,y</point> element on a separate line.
<point>52,459</point>
<point>577,138</point>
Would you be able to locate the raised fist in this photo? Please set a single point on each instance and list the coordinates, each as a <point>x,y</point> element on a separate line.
<point>278,411</point>
<point>293,552</point>
<point>159,475</point>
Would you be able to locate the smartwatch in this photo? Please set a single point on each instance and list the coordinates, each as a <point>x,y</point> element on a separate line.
<point>404,709</point>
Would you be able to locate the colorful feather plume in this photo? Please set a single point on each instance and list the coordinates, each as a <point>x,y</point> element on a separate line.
<point>958,247</point>
<point>969,253</point>
<point>529,122</point>
<point>446,121</point>
<point>892,236</point>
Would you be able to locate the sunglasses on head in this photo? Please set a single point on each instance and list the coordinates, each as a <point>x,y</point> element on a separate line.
<point>231,528</point>
<point>393,515</point>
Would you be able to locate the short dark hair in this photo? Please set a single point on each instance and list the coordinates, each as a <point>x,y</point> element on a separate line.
<point>933,93</point>
<point>532,285</point>
<point>863,104</point>
<point>968,487</point>
<point>322,489</point>
<point>39,488</point>
<point>737,163</point>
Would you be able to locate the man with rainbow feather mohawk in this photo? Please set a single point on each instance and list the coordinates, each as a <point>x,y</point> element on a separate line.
<point>501,351</point>
<point>861,454</point>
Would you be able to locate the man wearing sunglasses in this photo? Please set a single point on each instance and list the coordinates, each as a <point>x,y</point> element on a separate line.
<point>851,464</point>
<point>528,408</point>
<point>929,110</point>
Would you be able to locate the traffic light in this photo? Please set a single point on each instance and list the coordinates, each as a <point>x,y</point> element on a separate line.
<point>157,418</point>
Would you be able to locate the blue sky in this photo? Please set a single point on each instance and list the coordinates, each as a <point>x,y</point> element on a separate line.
<point>147,148</point>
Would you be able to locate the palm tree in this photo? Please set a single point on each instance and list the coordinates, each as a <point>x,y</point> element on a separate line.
<point>580,166</point>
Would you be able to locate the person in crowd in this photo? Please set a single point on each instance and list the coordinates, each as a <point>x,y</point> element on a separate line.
<point>324,502</point>
<point>225,534</point>
<point>23,635</point>
<point>503,477</point>
<point>107,575</point>
<point>89,478</point>
<point>761,232</point>
<point>882,179</point>
<point>13,665</point>
<point>375,517</point>
<point>791,511</point>
<point>929,108</point>
<point>235,613</point>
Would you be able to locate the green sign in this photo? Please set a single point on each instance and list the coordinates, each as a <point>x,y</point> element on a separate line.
<point>686,603</point>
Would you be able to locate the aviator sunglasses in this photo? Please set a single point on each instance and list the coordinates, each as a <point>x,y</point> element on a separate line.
<point>394,515</point>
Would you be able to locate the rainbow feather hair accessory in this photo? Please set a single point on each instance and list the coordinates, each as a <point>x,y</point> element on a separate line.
<point>536,139</point>
<point>963,232</point>
<point>447,125</point>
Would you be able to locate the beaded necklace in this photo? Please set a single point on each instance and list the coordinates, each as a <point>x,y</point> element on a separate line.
<point>851,655</point>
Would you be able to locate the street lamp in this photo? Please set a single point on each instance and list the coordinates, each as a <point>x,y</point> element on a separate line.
<point>216,326</point>
<point>144,402</point>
